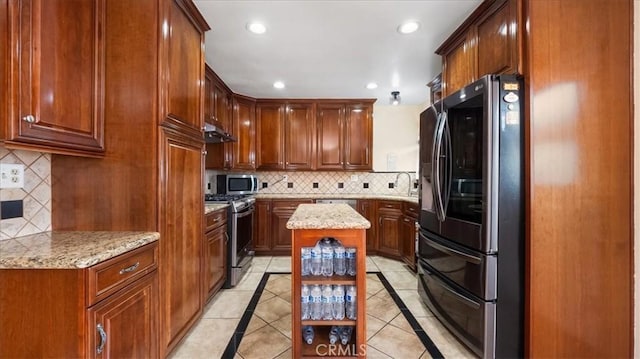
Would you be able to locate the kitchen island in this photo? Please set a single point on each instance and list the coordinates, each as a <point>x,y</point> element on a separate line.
<point>311,223</point>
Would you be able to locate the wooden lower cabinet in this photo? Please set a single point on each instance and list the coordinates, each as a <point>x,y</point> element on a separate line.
<point>215,252</point>
<point>96,312</point>
<point>271,235</point>
<point>408,234</point>
<point>389,229</point>
<point>367,208</point>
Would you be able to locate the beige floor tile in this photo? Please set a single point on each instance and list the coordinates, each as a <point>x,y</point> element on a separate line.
<point>402,279</point>
<point>382,306</point>
<point>401,322</point>
<point>249,281</point>
<point>286,355</point>
<point>374,286</point>
<point>286,296</point>
<point>371,265</point>
<point>259,264</point>
<point>280,264</point>
<point>207,339</point>
<point>414,303</point>
<point>283,325</point>
<point>254,324</point>
<point>279,284</point>
<point>273,309</point>
<point>373,353</point>
<point>373,326</point>
<point>266,295</point>
<point>397,343</point>
<point>448,345</point>
<point>266,342</point>
<point>228,304</point>
<point>388,265</point>
<point>237,356</point>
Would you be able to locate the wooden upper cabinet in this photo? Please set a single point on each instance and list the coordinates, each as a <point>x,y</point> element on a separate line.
<point>244,128</point>
<point>299,136</point>
<point>497,40</point>
<point>56,89</point>
<point>270,135</point>
<point>209,113</point>
<point>358,137</point>
<point>488,42</point>
<point>329,135</point>
<point>186,70</point>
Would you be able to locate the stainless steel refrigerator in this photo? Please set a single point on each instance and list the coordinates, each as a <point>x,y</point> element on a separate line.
<point>471,243</point>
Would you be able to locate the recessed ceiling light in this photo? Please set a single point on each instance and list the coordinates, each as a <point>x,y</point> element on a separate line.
<point>372,85</point>
<point>278,84</point>
<point>408,27</point>
<point>256,28</point>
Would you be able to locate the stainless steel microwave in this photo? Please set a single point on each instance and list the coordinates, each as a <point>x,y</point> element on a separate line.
<point>236,184</point>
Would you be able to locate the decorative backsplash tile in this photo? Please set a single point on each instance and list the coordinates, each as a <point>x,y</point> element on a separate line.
<point>329,182</point>
<point>36,194</point>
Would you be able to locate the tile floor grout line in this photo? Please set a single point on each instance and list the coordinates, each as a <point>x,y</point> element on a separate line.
<point>424,338</point>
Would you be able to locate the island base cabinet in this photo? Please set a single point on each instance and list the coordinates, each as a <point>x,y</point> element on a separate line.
<point>320,346</point>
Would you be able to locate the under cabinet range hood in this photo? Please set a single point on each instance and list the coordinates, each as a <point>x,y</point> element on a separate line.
<point>214,134</point>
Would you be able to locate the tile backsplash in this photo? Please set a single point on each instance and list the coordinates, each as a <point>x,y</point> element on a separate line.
<point>379,183</point>
<point>36,194</point>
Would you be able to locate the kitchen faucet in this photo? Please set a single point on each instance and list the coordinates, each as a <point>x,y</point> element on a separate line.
<point>410,182</point>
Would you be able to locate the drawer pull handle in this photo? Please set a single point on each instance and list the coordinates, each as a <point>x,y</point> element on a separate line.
<point>103,338</point>
<point>129,269</point>
<point>217,219</point>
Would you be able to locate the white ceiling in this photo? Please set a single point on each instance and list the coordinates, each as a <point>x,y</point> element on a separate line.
<point>330,49</point>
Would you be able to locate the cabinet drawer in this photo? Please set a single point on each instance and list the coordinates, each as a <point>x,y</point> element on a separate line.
<point>411,210</point>
<point>390,205</point>
<point>215,219</point>
<point>109,276</point>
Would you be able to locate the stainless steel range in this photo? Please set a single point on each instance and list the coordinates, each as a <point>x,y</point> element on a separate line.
<point>240,251</point>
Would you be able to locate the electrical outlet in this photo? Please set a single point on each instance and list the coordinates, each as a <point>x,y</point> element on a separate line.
<point>354,178</point>
<point>11,175</point>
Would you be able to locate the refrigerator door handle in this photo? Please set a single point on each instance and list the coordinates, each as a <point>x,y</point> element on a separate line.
<point>437,154</point>
<point>448,158</point>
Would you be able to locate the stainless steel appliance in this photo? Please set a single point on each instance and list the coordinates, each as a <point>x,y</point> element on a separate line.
<point>471,241</point>
<point>235,184</point>
<point>240,230</point>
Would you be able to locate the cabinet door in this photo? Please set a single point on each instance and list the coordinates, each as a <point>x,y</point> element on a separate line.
<point>125,324</point>
<point>244,120</point>
<point>299,132</point>
<point>459,64</point>
<point>358,134</point>
<point>329,153</point>
<point>497,40</point>
<point>270,135</point>
<point>389,217</point>
<point>407,241</point>
<point>367,209</point>
<point>216,259</point>
<point>185,72</point>
<point>209,96</point>
<point>57,101</point>
<point>262,234</point>
<point>221,106</point>
<point>280,235</point>
<point>181,204</point>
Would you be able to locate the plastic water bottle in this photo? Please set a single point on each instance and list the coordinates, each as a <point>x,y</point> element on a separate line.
<point>351,260</point>
<point>308,334</point>
<point>339,264</point>
<point>334,334</point>
<point>345,334</point>
<point>316,260</point>
<point>306,261</point>
<point>305,304</point>
<point>327,302</point>
<point>327,257</point>
<point>338,302</point>
<point>350,302</point>
<point>316,302</point>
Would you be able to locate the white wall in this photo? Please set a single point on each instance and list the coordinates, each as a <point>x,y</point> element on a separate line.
<point>395,137</point>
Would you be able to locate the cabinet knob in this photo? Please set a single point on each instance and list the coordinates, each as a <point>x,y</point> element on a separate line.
<point>29,119</point>
<point>204,153</point>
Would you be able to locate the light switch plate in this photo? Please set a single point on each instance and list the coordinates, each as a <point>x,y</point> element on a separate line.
<point>11,175</point>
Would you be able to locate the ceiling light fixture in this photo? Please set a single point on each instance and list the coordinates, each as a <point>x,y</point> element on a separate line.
<point>408,27</point>
<point>256,28</point>
<point>278,84</point>
<point>395,98</point>
<point>372,85</point>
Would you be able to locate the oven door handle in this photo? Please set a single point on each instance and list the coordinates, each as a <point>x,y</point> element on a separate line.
<point>246,212</point>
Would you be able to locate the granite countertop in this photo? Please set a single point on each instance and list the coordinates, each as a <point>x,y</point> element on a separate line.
<point>326,216</point>
<point>208,208</point>
<point>411,199</point>
<point>69,250</point>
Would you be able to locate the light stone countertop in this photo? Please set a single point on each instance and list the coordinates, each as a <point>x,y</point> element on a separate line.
<point>326,216</point>
<point>411,199</point>
<point>208,208</point>
<point>69,250</point>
